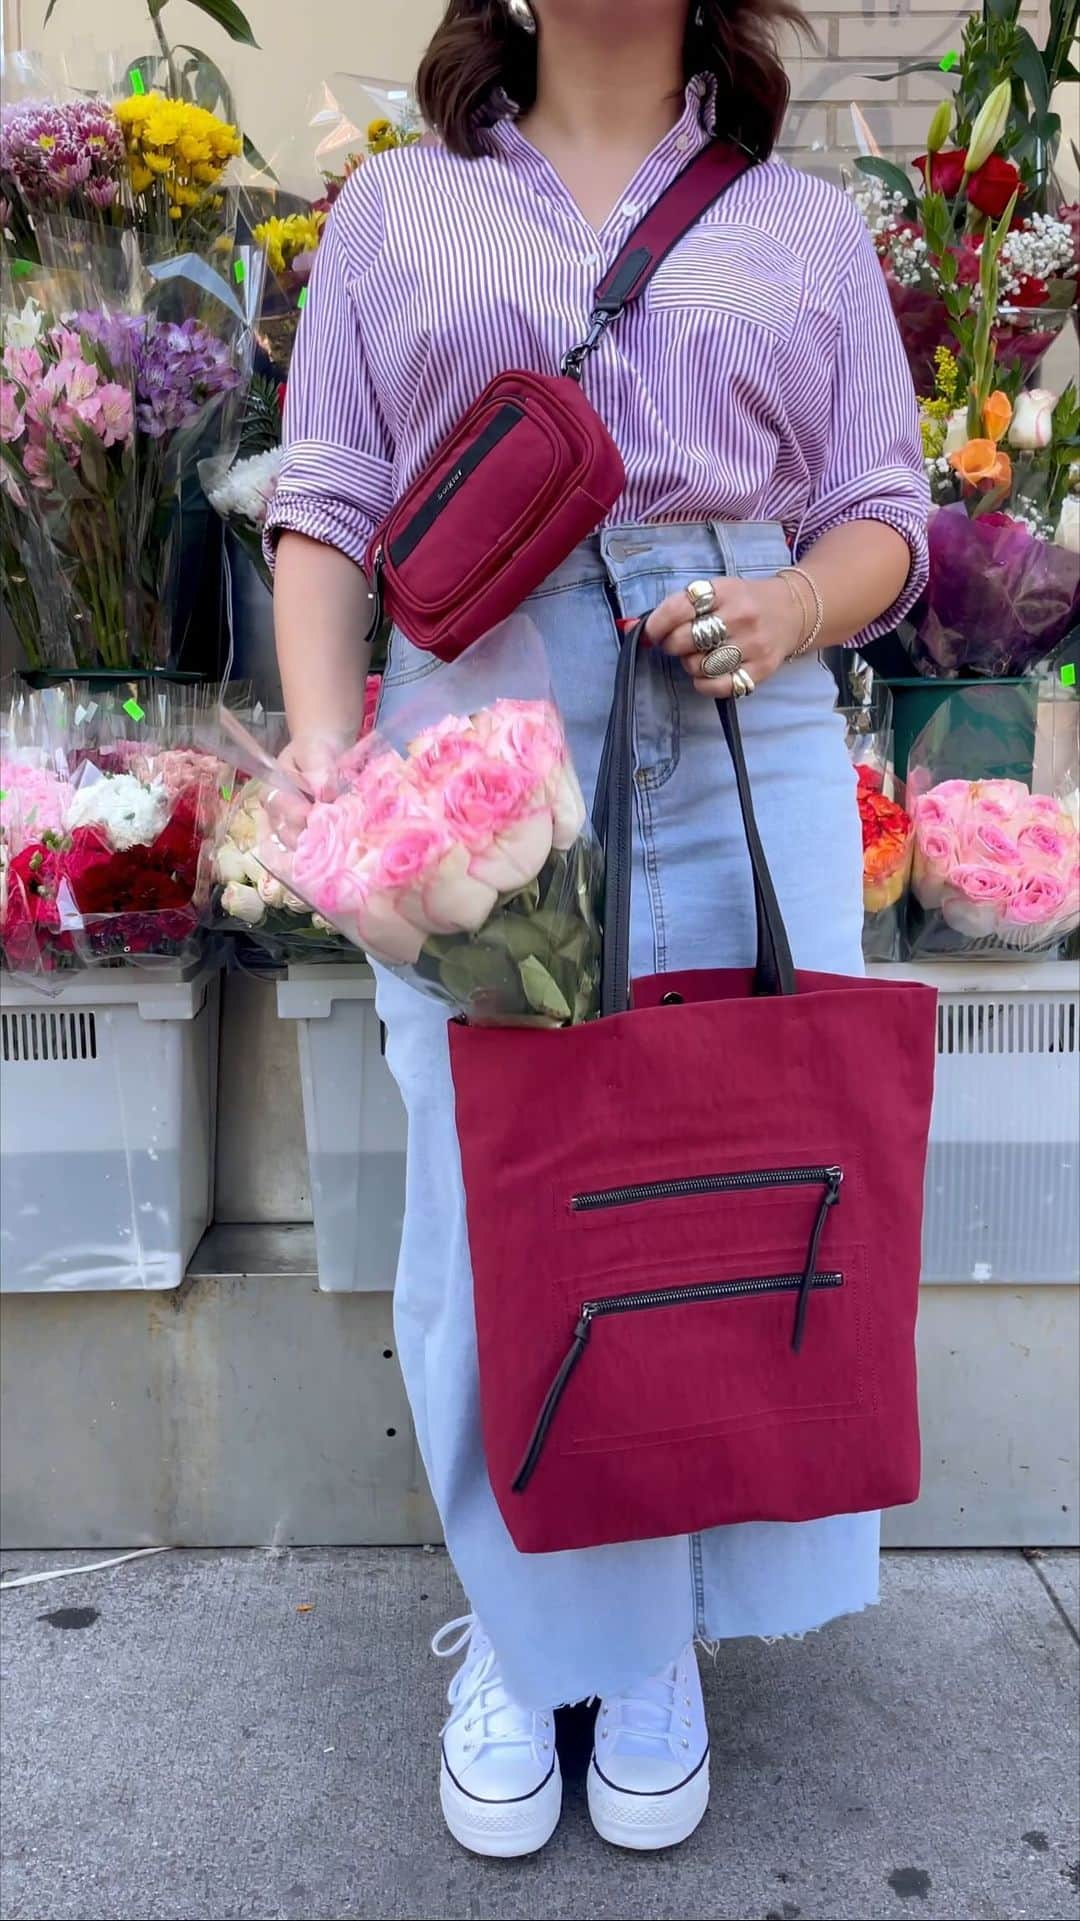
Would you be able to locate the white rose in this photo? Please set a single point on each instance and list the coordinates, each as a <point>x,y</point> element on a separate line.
<point>243,903</point>
<point>231,864</point>
<point>1068,527</point>
<point>1033,419</point>
<point>956,434</point>
<point>23,329</point>
<point>270,890</point>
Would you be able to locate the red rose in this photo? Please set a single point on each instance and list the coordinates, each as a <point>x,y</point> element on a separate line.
<point>946,171</point>
<point>992,186</point>
<point>35,874</point>
<point>968,263</point>
<point>1032,292</point>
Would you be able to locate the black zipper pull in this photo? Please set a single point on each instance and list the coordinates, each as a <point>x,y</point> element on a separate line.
<point>829,1199</point>
<point>553,1397</point>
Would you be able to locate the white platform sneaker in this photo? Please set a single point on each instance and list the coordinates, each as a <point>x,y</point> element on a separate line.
<point>500,1786</point>
<point>649,1774</point>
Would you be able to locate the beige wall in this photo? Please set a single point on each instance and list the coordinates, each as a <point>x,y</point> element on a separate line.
<point>303,41</point>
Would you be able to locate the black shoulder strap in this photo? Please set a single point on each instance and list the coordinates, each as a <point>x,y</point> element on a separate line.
<point>697,188</point>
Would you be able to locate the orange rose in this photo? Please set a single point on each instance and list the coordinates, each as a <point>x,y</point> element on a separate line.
<point>981,464</point>
<point>997,414</point>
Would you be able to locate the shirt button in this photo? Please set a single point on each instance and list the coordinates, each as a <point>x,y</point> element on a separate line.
<point>683,142</point>
<point>592,260</point>
<point>630,211</point>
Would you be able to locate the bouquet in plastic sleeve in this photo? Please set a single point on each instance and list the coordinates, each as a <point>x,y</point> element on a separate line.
<point>106,837</point>
<point>241,491</point>
<point>887,833</point>
<point>251,904</point>
<point>1003,593</point>
<point>104,417</point>
<point>454,847</point>
<point>996,864</point>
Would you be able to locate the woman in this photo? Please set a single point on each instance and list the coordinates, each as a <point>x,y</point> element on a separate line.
<point>764,411</point>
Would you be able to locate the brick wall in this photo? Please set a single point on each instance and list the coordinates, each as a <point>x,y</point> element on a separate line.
<point>859,38</point>
<point>302,44</point>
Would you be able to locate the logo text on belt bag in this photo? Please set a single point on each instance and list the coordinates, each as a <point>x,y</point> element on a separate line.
<point>531,470</point>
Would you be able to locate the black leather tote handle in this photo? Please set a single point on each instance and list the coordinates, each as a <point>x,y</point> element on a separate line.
<point>613,820</point>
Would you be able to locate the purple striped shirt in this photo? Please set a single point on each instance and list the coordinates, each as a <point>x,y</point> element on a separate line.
<point>760,377</point>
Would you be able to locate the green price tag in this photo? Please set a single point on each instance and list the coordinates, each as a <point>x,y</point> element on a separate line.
<point>239,272</point>
<point>3,793</point>
<point>948,61</point>
<point>138,84</point>
<point>1068,674</point>
<point>20,269</point>
<point>301,299</point>
<point>132,708</point>
<point>226,792</point>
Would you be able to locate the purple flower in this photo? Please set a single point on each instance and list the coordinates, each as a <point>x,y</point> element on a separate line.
<point>999,599</point>
<point>177,369</point>
<point>55,153</point>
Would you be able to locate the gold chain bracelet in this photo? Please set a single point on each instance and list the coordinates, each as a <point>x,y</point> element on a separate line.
<point>809,640</point>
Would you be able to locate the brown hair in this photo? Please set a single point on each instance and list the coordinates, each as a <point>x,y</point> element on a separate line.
<point>479,66</point>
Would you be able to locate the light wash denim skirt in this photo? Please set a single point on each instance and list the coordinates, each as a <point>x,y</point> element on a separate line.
<point>597,1620</point>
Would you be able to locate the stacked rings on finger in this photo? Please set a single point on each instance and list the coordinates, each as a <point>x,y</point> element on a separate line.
<point>742,684</point>
<point>702,596</point>
<point>709,631</point>
<point>722,660</point>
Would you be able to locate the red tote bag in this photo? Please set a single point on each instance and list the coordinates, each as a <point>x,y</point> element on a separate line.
<point>695,1231</point>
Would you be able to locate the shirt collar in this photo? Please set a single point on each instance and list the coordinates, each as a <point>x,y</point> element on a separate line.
<point>695,127</point>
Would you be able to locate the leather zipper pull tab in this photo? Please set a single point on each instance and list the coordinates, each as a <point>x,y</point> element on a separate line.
<point>828,1200</point>
<point>551,1400</point>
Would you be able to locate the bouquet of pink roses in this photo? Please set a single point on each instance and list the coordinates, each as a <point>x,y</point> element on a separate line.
<point>994,866</point>
<point>464,862</point>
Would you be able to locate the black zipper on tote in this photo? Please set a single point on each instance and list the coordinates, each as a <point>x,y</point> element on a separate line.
<point>437,502</point>
<point>801,1284</point>
<point>680,1189</point>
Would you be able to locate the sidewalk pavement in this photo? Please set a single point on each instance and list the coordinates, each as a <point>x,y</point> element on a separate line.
<point>202,1736</point>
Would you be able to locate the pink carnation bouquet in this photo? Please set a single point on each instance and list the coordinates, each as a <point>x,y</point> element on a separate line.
<point>464,861</point>
<point>995,867</point>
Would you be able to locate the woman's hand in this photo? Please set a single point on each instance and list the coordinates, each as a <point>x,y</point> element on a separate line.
<point>763,618</point>
<point>309,763</point>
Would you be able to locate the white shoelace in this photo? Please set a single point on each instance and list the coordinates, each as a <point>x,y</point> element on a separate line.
<point>479,1699</point>
<point>655,1718</point>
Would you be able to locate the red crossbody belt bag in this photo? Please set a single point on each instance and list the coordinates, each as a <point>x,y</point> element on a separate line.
<point>695,1230</point>
<point>531,470</point>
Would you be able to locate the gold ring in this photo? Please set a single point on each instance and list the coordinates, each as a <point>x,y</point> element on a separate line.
<point>702,596</point>
<point>741,683</point>
<point>722,660</point>
<point>709,631</point>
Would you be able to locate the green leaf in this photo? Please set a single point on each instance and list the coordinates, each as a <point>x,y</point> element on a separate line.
<point>541,991</point>
<point>1028,64</point>
<point>255,159</point>
<point>907,66</point>
<point>227,14</point>
<point>893,177</point>
<point>207,84</point>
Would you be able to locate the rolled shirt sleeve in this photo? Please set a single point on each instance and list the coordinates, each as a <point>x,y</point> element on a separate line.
<point>873,467</point>
<point>336,479</point>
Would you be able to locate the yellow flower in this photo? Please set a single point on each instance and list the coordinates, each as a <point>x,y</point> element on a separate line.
<point>378,129</point>
<point>284,238</point>
<point>158,163</point>
<point>141,178</point>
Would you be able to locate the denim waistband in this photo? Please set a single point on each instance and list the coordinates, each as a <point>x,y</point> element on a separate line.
<point>706,546</point>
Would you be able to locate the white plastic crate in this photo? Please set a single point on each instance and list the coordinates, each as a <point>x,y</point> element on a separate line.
<point>355,1125</point>
<point>107,1114</point>
<point>1003,1173</point>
